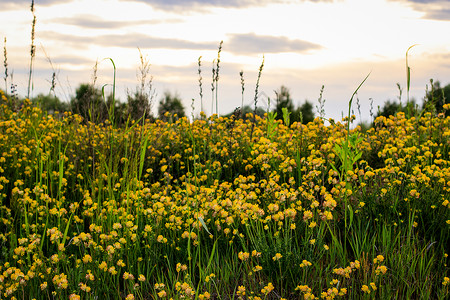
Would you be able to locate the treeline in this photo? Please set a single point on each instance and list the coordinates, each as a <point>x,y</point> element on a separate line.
<point>93,105</point>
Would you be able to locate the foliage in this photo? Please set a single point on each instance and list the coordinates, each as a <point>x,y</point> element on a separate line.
<point>306,112</point>
<point>245,112</point>
<point>436,97</point>
<point>170,106</point>
<point>283,100</point>
<point>50,103</point>
<point>303,113</point>
<point>89,104</point>
<point>391,108</point>
<point>139,106</point>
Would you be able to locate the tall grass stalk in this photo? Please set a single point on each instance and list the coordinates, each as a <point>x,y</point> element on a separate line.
<point>32,50</point>
<point>54,77</point>
<point>350,155</point>
<point>144,71</point>
<point>216,79</point>
<point>241,74</point>
<point>408,75</point>
<point>200,82</point>
<point>321,106</point>
<point>255,100</point>
<point>5,65</point>
<point>113,103</point>
<point>213,85</point>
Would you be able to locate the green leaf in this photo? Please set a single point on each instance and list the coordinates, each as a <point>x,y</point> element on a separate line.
<point>204,224</point>
<point>66,230</point>
<point>357,157</point>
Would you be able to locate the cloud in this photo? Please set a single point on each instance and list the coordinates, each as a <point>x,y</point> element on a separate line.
<point>21,4</point>
<point>422,1</point>
<point>183,5</point>
<point>131,40</point>
<point>198,4</point>
<point>438,14</point>
<point>432,9</point>
<point>250,43</point>
<point>241,44</point>
<point>94,22</point>
<point>72,60</point>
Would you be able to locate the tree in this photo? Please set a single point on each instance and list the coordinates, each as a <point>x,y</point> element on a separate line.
<point>242,113</point>
<point>307,113</point>
<point>138,105</point>
<point>302,113</point>
<point>89,104</point>
<point>391,108</point>
<point>50,103</point>
<point>436,97</point>
<point>283,97</point>
<point>170,106</point>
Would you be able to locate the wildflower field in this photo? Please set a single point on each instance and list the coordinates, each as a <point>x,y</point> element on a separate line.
<point>223,208</point>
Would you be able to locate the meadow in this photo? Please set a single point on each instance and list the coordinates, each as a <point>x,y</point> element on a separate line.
<point>223,207</point>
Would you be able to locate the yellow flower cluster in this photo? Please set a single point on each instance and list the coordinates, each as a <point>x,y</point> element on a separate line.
<point>86,205</point>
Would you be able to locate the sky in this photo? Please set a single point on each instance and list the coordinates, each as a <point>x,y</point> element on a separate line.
<point>305,45</point>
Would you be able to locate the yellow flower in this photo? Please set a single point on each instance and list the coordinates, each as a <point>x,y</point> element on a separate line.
<point>305,263</point>
<point>159,286</point>
<point>205,295</point>
<point>87,259</point>
<point>120,263</point>
<point>162,294</point>
<point>60,281</point>
<point>181,267</point>
<point>84,287</point>
<point>90,276</point>
<point>243,255</point>
<point>112,270</point>
<point>241,290</point>
<point>379,258</point>
<point>381,270</point>
<point>127,276</point>
<point>365,289</point>
<point>54,258</point>
<point>208,277</point>
<point>103,266</point>
<point>161,239</point>
<point>334,282</point>
<point>267,289</point>
<point>307,215</point>
<point>257,268</point>
<point>277,256</point>
<point>130,297</point>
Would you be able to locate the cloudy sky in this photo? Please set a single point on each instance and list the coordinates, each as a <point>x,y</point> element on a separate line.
<point>306,44</point>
